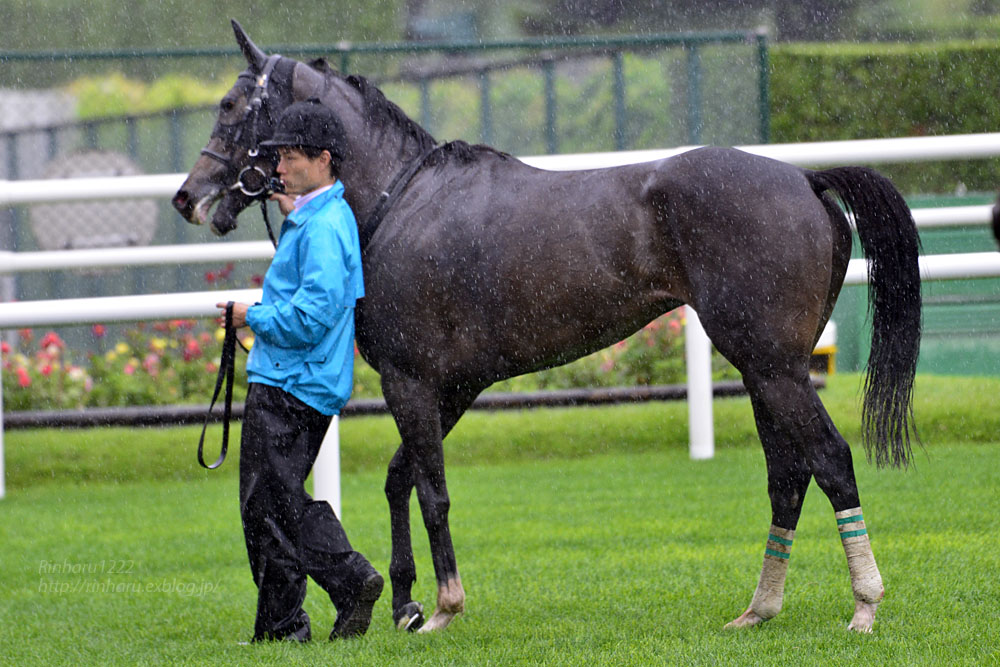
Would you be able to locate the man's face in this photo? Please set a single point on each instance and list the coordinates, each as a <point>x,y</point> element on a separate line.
<point>301,174</point>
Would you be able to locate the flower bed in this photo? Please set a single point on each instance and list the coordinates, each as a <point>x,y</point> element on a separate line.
<point>176,362</point>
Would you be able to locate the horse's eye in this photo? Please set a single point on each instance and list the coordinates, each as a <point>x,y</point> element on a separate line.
<point>227,106</point>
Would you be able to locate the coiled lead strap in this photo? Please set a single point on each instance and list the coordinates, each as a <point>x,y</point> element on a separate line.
<point>227,373</point>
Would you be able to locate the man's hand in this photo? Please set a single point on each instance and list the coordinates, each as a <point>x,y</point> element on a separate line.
<point>239,313</point>
<point>286,203</point>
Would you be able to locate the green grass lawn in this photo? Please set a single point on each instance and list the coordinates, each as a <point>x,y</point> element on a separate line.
<point>584,536</point>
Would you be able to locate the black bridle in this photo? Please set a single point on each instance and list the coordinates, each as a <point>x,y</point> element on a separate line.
<point>261,184</point>
<point>252,180</point>
<point>248,131</point>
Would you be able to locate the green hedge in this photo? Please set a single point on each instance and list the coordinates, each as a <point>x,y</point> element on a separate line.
<point>822,92</point>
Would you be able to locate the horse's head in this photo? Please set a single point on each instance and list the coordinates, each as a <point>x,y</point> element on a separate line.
<point>231,167</point>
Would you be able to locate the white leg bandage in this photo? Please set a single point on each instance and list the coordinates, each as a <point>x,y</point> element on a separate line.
<point>866,582</point>
<point>771,586</point>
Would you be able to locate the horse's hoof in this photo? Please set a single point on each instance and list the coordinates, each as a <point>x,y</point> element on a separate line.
<point>864,616</point>
<point>409,617</point>
<point>439,620</point>
<point>747,619</point>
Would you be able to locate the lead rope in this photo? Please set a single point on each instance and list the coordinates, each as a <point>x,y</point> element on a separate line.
<point>227,372</point>
<point>267,223</point>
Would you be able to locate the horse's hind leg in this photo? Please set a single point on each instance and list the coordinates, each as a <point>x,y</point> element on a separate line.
<point>801,441</point>
<point>788,478</point>
<point>406,613</point>
<point>423,420</point>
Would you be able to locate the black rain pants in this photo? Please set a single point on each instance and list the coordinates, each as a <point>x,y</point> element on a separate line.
<point>288,534</point>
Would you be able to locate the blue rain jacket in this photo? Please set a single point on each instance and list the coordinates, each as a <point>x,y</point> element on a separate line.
<point>304,324</point>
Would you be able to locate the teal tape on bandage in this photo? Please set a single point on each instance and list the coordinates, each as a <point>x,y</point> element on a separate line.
<point>776,554</point>
<point>779,540</point>
<point>853,533</point>
<point>850,519</point>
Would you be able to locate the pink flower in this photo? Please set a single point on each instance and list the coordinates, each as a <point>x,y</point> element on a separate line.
<point>23,379</point>
<point>46,370</point>
<point>4,348</point>
<point>129,369</point>
<point>151,363</point>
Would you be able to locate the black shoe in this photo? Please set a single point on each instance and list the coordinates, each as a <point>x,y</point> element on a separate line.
<point>301,635</point>
<point>355,615</point>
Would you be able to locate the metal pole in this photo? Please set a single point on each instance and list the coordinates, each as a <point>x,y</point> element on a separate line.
<point>764,87</point>
<point>485,108</point>
<point>618,65</point>
<point>694,119</point>
<point>425,104</point>
<point>698,357</point>
<point>551,139</point>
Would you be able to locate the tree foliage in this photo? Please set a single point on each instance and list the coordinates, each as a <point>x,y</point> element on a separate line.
<point>33,25</point>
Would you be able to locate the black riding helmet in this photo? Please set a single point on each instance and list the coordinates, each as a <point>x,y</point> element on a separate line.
<point>309,123</point>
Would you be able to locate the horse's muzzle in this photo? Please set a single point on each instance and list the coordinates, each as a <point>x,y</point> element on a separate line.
<point>183,203</point>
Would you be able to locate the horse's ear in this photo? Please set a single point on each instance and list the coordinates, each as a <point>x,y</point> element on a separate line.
<point>254,55</point>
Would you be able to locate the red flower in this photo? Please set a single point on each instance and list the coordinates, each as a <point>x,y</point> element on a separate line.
<point>50,339</point>
<point>257,280</point>
<point>27,335</point>
<point>210,276</point>
<point>192,350</point>
<point>23,378</point>
<point>5,347</point>
<point>47,370</point>
<point>98,330</point>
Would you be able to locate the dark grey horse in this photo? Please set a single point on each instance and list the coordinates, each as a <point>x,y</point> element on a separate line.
<point>479,267</point>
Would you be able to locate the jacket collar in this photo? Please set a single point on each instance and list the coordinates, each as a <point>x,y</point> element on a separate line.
<point>311,202</point>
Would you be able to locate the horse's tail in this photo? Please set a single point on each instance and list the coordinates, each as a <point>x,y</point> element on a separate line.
<point>891,245</point>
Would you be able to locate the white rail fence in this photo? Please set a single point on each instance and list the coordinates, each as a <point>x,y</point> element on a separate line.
<point>326,472</point>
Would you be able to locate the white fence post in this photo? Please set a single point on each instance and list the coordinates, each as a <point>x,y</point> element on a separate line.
<point>326,469</point>
<point>698,357</point>
<point>3,475</point>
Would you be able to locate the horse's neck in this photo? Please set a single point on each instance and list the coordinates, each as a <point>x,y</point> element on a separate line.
<point>376,154</point>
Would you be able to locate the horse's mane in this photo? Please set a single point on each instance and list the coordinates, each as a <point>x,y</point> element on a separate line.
<point>380,109</point>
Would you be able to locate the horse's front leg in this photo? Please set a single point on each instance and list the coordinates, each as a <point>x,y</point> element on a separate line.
<point>416,410</point>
